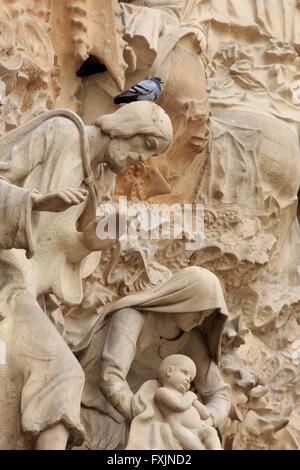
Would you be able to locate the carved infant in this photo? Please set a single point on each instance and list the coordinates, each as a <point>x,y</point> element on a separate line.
<point>181,408</point>
<point>168,416</point>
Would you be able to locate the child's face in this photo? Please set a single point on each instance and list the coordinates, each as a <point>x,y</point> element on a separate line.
<point>180,377</point>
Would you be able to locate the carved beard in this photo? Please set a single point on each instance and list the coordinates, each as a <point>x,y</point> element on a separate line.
<point>119,156</point>
<point>114,156</point>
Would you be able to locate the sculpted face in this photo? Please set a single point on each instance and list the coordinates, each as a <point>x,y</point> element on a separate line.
<point>124,152</point>
<point>187,321</point>
<point>180,376</point>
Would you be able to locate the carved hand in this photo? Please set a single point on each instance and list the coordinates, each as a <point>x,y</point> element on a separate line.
<point>190,398</point>
<point>211,421</point>
<point>58,201</point>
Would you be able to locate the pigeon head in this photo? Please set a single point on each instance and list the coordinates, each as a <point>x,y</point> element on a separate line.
<point>158,81</point>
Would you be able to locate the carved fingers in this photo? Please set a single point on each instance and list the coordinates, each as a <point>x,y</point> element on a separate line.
<point>58,201</point>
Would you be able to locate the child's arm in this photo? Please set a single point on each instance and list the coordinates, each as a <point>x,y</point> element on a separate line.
<point>174,402</point>
<point>203,413</point>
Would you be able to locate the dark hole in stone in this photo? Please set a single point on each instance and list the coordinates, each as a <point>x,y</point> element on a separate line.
<point>91,66</point>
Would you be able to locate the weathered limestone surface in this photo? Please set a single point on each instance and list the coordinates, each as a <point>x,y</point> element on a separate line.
<point>232,92</point>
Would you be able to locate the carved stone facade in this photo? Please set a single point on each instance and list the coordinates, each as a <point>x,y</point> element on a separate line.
<point>28,85</point>
<point>232,92</point>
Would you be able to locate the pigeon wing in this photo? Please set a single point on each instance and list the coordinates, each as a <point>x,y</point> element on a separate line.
<point>141,90</point>
<point>144,87</point>
<point>151,86</point>
<point>126,97</point>
<point>147,97</point>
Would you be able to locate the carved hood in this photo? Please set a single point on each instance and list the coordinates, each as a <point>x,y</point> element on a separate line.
<point>190,290</point>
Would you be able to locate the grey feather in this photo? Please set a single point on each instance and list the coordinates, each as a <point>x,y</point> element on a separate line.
<point>146,90</point>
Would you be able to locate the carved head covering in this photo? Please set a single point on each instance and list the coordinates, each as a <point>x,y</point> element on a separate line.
<point>139,118</point>
<point>190,290</point>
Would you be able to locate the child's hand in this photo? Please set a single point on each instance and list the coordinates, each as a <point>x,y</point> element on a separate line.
<point>191,396</point>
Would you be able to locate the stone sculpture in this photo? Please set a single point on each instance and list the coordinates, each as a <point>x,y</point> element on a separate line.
<point>146,22</point>
<point>27,82</point>
<point>252,83</point>
<point>235,149</point>
<point>89,29</point>
<point>168,415</point>
<point>52,152</point>
<point>184,314</point>
<point>164,39</point>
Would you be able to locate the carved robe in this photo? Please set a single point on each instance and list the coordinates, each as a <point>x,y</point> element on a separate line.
<point>275,18</point>
<point>49,153</point>
<point>15,217</point>
<point>133,349</point>
<point>41,381</point>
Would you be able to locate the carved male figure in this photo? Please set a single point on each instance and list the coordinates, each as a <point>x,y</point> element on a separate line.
<point>47,165</point>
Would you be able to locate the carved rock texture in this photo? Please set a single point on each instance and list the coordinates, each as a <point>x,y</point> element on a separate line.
<point>234,106</point>
<point>83,28</point>
<point>27,83</point>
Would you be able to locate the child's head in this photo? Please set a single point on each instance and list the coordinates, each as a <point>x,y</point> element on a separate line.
<point>177,371</point>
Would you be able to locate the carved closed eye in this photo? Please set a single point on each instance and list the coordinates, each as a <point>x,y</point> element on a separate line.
<point>150,143</point>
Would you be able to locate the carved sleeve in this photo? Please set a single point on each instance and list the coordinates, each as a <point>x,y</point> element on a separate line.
<point>118,354</point>
<point>15,217</point>
<point>209,383</point>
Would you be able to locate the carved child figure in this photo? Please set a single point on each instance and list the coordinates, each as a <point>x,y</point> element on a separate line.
<point>167,415</point>
<point>187,416</point>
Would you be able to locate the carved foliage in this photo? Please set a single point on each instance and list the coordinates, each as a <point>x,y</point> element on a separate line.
<point>26,63</point>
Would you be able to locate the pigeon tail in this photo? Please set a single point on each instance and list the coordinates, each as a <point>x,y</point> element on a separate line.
<point>124,99</point>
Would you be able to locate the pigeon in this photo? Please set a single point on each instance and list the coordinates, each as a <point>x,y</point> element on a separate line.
<point>147,90</point>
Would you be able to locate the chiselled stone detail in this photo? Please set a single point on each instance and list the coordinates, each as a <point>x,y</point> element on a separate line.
<point>224,135</point>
